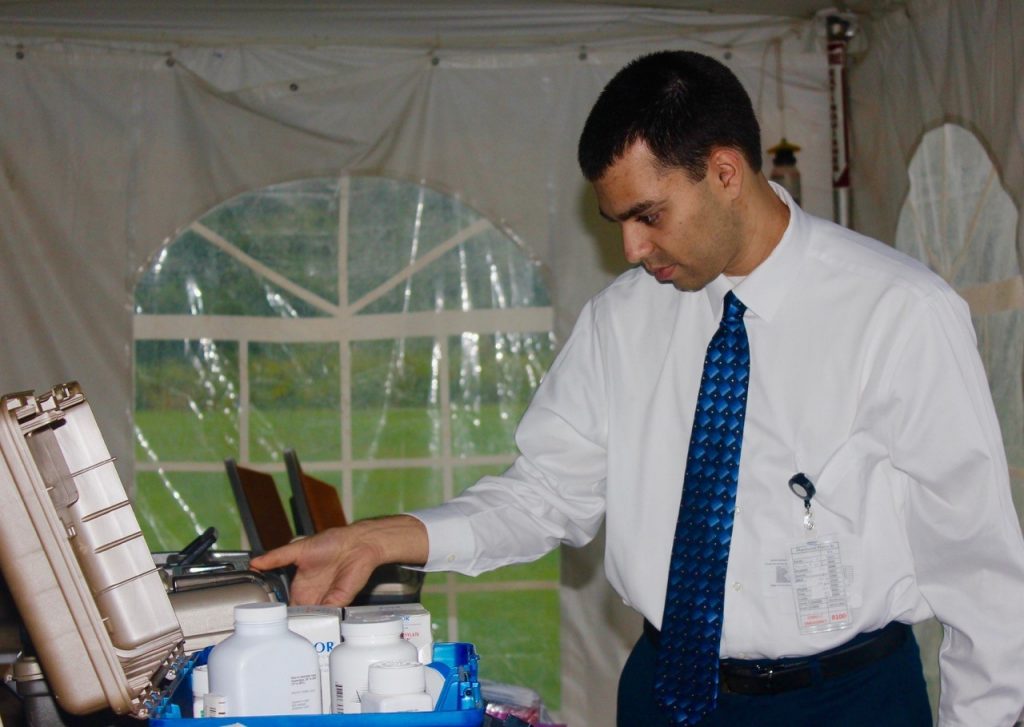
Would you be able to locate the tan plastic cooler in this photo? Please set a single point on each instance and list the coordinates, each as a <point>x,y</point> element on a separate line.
<point>76,562</point>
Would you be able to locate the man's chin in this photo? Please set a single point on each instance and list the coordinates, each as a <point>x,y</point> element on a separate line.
<point>687,285</point>
<point>675,276</point>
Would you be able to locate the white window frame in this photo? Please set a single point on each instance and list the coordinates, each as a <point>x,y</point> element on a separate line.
<point>344,324</point>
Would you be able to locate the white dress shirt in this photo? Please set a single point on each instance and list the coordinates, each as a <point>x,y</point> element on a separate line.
<point>864,376</point>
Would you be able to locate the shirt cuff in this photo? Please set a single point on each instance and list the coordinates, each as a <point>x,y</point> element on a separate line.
<point>452,545</point>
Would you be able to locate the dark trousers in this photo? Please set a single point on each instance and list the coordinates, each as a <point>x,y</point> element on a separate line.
<point>888,693</point>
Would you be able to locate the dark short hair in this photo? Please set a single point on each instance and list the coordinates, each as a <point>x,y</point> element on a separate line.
<point>681,103</point>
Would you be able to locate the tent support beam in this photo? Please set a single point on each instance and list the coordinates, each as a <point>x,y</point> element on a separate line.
<point>840,31</point>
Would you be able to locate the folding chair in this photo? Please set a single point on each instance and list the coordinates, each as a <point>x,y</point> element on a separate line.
<point>317,507</point>
<point>315,503</point>
<point>259,505</point>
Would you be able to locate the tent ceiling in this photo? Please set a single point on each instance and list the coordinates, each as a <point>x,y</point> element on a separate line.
<point>399,22</point>
<point>787,8</point>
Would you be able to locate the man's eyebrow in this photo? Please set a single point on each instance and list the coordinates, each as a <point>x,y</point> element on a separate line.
<point>637,209</point>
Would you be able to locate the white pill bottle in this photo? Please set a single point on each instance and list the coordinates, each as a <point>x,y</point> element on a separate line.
<point>365,641</point>
<point>396,686</point>
<point>263,668</point>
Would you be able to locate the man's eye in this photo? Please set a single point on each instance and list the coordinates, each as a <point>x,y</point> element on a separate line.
<point>648,219</point>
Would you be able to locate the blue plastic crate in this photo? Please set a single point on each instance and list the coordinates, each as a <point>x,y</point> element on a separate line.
<point>460,702</point>
<point>456,718</point>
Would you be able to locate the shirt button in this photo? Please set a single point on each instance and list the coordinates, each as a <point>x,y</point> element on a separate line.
<point>737,586</point>
<point>451,558</point>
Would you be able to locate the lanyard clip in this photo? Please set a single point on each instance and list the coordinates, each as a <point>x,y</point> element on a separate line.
<point>804,489</point>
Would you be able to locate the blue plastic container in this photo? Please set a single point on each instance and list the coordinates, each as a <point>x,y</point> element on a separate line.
<point>459,704</point>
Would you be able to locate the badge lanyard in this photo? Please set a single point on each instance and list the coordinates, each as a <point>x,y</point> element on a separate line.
<point>817,573</point>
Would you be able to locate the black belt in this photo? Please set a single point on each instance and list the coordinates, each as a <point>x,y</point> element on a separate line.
<point>782,675</point>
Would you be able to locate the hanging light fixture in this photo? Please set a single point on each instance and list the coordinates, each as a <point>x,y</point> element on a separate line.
<point>784,171</point>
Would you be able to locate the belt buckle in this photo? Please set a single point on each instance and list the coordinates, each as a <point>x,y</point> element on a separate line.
<point>775,678</point>
<point>765,671</point>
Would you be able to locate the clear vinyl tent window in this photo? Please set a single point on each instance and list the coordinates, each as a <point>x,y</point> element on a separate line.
<point>389,334</point>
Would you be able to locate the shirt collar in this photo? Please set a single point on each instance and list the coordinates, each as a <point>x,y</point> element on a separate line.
<point>765,288</point>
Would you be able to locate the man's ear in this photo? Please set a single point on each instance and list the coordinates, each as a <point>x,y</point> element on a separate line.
<point>726,169</point>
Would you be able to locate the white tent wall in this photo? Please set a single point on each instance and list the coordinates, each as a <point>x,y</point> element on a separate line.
<point>114,135</point>
<point>936,61</point>
<point>109,148</point>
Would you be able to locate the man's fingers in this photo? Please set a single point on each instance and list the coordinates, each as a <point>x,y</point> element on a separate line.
<point>276,558</point>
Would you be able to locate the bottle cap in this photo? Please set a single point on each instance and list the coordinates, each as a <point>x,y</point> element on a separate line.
<point>382,625</point>
<point>396,677</point>
<point>260,613</point>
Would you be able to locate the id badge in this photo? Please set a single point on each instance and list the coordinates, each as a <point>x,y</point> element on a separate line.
<point>818,581</point>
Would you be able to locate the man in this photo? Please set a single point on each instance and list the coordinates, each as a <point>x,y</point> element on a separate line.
<point>867,487</point>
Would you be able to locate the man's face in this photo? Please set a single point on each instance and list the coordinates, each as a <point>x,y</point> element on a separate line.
<point>680,230</point>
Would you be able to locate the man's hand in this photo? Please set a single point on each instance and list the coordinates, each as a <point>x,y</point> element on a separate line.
<point>334,565</point>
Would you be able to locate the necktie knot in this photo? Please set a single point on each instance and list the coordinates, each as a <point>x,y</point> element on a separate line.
<point>733,309</point>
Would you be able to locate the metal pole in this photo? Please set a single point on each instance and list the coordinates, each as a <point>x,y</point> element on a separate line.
<point>840,31</point>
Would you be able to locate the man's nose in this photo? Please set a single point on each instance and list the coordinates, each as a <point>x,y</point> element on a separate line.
<point>635,244</point>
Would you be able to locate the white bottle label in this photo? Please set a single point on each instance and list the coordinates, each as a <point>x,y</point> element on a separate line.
<point>305,692</point>
<point>339,698</point>
<point>214,705</point>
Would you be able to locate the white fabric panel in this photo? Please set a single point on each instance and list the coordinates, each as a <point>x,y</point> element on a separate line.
<point>109,148</point>
<point>96,176</point>
<point>940,60</point>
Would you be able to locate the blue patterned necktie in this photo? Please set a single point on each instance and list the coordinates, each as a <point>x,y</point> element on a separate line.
<point>686,673</point>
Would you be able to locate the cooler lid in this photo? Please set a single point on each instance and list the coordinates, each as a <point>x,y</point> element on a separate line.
<point>75,561</point>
